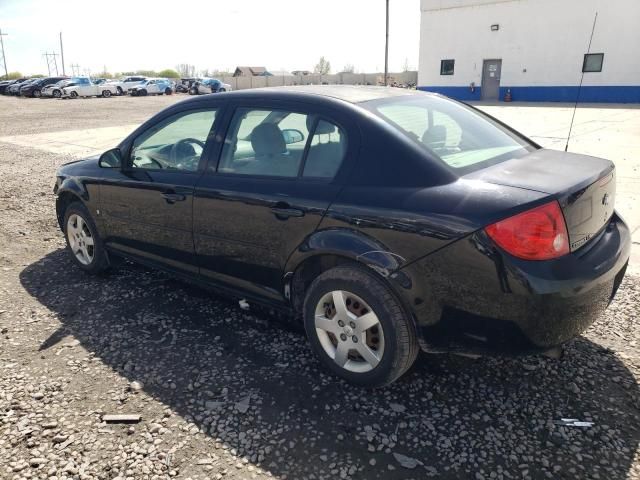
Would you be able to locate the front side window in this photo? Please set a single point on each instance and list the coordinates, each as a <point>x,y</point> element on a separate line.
<point>447,67</point>
<point>592,62</point>
<point>461,137</point>
<point>174,144</point>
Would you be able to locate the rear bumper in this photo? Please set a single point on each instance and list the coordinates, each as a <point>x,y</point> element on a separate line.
<point>473,297</point>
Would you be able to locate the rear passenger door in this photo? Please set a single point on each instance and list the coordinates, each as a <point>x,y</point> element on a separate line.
<point>273,182</point>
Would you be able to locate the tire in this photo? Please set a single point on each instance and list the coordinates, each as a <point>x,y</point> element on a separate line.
<point>222,90</point>
<point>119,90</point>
<point>392,340</point>
<point>167,91</point>
<point>106,93</point>
<point>79,229</point>
<point>73,95</point>
<point>36,93</point>
<point>57,94</point>
<point>142,93</point>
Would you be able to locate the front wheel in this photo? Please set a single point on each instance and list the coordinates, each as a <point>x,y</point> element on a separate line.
<point>83,241</point>
<point>358,328</point>
<point>57,93</point>
<point>119,90</point>
<point>36,93</point>
<point>106,93</point>
<point>167,91</point>
<point>222,90</point>
<point>73,94</point>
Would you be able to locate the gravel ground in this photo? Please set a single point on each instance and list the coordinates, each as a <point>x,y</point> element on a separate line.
<point>224,393</point>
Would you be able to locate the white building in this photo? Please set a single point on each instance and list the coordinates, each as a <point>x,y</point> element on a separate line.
<point>533,49</point>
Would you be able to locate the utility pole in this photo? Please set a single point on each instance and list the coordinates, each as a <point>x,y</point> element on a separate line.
<point>62,55</point>
<point>386,49</point>
<point>75,69</point>
<point>4,59</point>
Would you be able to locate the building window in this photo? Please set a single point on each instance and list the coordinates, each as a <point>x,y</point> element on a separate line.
<point>446,67</point>
<point>592,62</point>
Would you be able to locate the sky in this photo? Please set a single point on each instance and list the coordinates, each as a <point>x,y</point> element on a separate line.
<point>210,34</point>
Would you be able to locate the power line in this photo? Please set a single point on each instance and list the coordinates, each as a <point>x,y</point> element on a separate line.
<point>4,59</point>
<point>75,69</point>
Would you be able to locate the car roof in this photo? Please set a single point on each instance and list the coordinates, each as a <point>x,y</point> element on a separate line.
<point>348,93</point>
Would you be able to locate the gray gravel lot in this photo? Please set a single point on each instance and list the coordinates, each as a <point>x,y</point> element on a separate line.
<point>225,393</point>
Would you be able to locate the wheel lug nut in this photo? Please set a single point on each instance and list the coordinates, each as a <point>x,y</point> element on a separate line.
<point>343,337</point>
<point>341,323</point>
<point>355,339</point>
<point>352,324</point>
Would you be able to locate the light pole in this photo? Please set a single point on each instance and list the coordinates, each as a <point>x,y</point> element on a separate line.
<point>62,55</point>
<point>386,48</point>
<point>4,60</point>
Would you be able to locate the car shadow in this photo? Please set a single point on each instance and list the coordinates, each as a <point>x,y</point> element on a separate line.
<point>254,386</point>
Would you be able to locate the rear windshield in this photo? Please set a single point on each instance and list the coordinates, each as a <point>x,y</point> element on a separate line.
<point>460,136</point>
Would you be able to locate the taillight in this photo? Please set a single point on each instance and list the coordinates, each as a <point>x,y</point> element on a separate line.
<point>537,234</point>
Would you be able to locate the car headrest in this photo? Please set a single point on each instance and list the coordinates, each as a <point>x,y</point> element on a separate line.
<point>323,128</point>
<point>267,139</point>
<point>435,134</point>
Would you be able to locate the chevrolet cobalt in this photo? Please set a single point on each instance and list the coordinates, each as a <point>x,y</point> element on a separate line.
<point>387,220</point>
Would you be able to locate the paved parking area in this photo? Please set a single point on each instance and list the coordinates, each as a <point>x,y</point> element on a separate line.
<point>225,393</point>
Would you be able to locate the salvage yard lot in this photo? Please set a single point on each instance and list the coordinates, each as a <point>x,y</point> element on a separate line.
<point>225,393</point>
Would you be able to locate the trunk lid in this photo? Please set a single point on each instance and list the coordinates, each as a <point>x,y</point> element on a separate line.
<point>585,187</point>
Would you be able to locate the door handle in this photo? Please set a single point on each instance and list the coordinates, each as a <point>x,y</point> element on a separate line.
<point>284,211</point>
<point>174,197</point>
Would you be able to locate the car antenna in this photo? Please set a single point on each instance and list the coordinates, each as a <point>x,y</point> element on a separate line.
<point>575,107</point>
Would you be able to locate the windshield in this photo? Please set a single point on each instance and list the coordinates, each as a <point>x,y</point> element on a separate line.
<point>461,137</point>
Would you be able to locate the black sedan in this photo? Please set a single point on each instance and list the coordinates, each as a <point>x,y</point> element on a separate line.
<point>387,220</point>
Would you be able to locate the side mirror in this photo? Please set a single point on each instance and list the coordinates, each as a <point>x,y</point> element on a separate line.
<point>291,135</point>
<point>111,159</point>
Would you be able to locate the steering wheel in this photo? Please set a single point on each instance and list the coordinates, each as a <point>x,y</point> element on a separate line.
<point>173,154</point>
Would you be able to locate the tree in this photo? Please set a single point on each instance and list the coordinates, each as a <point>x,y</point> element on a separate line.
<point>349,68</point>
<point>323,67</point>
<point>14,75</point>
<point>186,70</point>
<point>37,75</point>
<point>168,73</point>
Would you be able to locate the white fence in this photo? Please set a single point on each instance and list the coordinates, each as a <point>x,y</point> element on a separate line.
<point>240,83</point>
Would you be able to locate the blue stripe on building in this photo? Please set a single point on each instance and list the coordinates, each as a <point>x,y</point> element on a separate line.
<point>588,94</point>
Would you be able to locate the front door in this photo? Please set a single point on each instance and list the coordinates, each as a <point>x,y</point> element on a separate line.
<point>273,183</point>
<point>491,79</point>
<point>147,208</point>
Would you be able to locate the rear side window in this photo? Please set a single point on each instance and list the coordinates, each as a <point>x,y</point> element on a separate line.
<point>326,151</point>
<point>464,139</point>
<point>280,143</point>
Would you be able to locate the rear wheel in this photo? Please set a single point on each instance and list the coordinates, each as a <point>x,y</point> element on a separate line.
<point>73,94</point>
<point>36,93</point>
<point>83,241</point>
<point>119,90</point>
<point>106,93</point>
<point>222,90</point>
<point>358,328</point>
<point>167,91</point>
<point>57,93</point>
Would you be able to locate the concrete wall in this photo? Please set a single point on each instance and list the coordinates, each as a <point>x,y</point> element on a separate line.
<point>541,44</point>
<point>240,83</point>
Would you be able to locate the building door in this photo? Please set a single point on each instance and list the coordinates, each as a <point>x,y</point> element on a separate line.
<point>491,79</point>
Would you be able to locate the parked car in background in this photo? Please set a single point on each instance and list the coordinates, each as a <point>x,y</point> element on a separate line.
<point>209,85</point>
<point>99,81</point>
<point>34,89</point>
<point>55,90</point>
<point>184,84</point>
<point>472,240</point>
<point>123,85</point>
<point>84,87</point>
<point>152,86</point>
<point>4,85</point>
<point>14,89</point>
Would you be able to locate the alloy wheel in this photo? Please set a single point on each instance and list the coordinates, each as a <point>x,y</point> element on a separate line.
<point>349,331</point>
<point>80,239</point>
